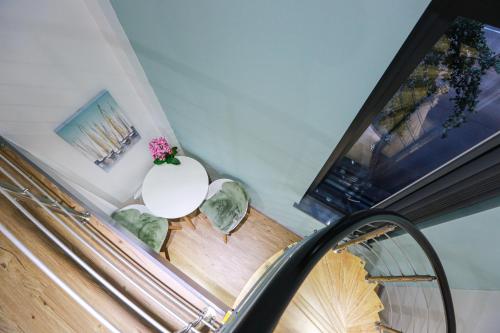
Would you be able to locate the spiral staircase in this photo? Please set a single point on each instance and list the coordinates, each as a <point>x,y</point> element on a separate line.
<point>371,272</point>
<point>334,298</point>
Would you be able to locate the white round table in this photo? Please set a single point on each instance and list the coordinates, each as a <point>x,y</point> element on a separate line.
<point>174,191</point>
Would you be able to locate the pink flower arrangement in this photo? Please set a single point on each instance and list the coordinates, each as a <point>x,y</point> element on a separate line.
<point>162,152</point>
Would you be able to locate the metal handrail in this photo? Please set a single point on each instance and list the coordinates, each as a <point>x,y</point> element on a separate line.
<point>16,190</point>
<point>60,283</point>
<point>84,265</point>
<point>62,209</point>
<point>22,193</point>
<point>47,202</point>
<point>263,307</point>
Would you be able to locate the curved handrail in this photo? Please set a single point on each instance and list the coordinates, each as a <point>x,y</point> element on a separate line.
<point>263,307</point>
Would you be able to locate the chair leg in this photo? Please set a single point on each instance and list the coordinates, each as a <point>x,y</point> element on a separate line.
<point>174,227</point>
<point>224,238</point>
<point>163,249</point>
<point>167,256</point>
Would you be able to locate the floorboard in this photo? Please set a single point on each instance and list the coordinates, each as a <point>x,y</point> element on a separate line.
<point>31,302</point>
<point>223,269</point>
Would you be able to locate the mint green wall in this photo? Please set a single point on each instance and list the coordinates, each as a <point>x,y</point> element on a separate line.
<point>262,91</point>
<point>468,247</point>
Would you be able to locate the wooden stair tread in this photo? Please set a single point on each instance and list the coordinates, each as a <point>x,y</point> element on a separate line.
<point>335,297</point>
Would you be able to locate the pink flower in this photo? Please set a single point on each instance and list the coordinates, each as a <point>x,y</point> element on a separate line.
<point>159,148</point>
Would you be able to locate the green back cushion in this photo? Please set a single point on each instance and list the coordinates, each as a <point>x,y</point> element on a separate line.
<point>150,229</point>
<point>226,207</point>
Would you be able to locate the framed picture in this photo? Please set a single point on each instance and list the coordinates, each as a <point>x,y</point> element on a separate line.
<point>100,131</point>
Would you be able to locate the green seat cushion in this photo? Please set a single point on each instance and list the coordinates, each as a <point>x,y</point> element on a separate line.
<point>150,229</point>
<point>226,207</point>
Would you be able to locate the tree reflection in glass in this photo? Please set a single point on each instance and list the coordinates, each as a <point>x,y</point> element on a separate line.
<point>448,104</point>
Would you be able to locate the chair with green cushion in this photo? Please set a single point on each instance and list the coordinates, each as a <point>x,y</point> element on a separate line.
<point>226,205</point>
<point>149,229</point>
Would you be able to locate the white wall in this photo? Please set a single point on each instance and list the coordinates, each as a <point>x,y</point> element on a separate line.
<point>55,56</point>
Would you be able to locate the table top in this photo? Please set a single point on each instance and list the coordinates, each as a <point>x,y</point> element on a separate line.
<point>174,191</point>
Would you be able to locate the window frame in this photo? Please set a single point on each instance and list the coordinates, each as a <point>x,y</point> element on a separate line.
<point>433,23</point>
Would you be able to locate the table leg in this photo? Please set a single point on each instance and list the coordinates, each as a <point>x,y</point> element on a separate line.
<point>187,219</point>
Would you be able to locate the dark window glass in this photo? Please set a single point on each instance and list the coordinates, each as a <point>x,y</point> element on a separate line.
<point>450,103</point>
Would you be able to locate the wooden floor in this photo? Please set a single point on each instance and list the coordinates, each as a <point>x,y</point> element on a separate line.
<point>223,269</point>
<point>31,302</point>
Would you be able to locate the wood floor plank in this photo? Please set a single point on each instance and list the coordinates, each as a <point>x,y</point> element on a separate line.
<point>201,254</point>
<point>163,276</point>
<point>31,302</point>
<point>224,269</point>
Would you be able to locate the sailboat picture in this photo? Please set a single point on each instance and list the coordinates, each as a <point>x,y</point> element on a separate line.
<point>100,131</point>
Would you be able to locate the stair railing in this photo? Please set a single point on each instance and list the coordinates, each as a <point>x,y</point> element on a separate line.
<point>398,257</point>
<point>32,192</point>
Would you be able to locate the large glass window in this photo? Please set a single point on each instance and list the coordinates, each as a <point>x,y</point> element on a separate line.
<point>449,103</point>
